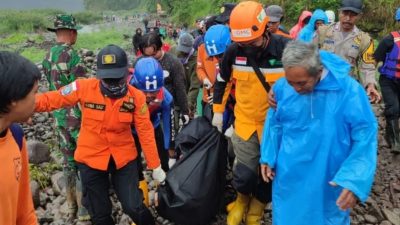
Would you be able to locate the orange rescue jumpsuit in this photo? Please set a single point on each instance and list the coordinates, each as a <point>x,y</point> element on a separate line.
<point>106,123</point>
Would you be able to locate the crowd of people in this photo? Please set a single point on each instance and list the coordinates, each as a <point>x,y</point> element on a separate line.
<point>295,107</point>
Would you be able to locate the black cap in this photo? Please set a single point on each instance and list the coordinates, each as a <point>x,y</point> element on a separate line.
<point>112,62</point>
<point>226,10</point>
<point>352,5</point>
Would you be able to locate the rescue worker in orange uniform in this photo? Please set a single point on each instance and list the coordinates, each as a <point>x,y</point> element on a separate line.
<point>105,144</point>
<point>216,41</point>
<point>253,46</point>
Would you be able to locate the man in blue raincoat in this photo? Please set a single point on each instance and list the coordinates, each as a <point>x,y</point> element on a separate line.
<point>308,33</point>
<point>319,145</point>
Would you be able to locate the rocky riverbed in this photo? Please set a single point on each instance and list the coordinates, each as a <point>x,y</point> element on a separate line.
<point>381,208</point>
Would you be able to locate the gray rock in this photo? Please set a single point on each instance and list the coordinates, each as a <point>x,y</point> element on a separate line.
<point>35,189</point>
<point>125,220</point>
<point>58,182</point>
<point>64,208</point>
<point>38,152</point>
<point>89,53</point>
<point>385,222</point>
<point>40,119</point>
<point>371,219</point>
<point>88,59</point>
<point>57,157</point>
<point>43,198</point>
<point>396,187</point>
<point>50,191</point>
<point>391,216</point>
<point>159,219</point>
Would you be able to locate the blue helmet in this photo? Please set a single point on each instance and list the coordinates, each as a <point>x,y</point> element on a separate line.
<point>397,17</point>
<point>148,75</point>
<point>217,39</point>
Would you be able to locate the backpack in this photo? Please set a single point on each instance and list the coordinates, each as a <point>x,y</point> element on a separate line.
<point>18,134</point>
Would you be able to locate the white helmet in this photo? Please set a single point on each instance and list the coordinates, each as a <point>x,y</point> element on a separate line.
<point>331,16</point>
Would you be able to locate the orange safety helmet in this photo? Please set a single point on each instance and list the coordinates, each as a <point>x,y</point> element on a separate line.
<point>247,21</point>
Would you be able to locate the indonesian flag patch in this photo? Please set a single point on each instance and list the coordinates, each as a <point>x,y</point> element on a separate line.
<point>241,60</point>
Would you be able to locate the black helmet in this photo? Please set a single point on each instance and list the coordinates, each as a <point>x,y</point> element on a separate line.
<point>112,62</point>
<point>352,5</point>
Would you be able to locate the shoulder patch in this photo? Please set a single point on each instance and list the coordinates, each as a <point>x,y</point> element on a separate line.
<point>144,109</point>
<point>368,54</point>
<point>68,89</point>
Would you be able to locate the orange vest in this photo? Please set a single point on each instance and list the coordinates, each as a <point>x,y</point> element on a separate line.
<point>106,123</point>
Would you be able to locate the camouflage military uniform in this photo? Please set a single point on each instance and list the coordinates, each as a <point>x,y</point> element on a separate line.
<point>62,65</point>
<point>357,48</point>
<point>192,82</point>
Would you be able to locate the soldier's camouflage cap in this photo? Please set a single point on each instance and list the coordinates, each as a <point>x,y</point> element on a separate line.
<point>63,21</point>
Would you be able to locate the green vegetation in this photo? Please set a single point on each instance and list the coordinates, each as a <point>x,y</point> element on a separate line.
<point>377,15</point>
<point>92,41</point>
<point>99,39</point>
<point>28,21</point>
<point>19,26</point>
<point>24,21</point>
<point>42,173</point>
<point>88,17</point>
<point>111,4</point>
<point>15,38</point>
<point>34,54</point>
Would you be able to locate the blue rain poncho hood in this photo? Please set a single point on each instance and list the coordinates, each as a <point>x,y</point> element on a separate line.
<point>307,33</point>
<point>328,135</point>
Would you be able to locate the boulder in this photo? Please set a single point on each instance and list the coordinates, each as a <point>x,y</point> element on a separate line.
<point>58,182</point>
<point>391,216</point>
<point>38,152</point>
<point>35,189</point>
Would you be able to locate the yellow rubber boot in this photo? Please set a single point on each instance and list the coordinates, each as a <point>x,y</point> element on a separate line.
<point>235,216</point>
<point>255,212</point>
<point>145,190</point>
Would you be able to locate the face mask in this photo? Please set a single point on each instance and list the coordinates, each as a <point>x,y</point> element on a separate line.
<point>114,88</point>
<point>251,51</point>
<point>254,51</point>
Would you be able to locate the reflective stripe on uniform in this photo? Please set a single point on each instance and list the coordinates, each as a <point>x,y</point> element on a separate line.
<point>272,74</point>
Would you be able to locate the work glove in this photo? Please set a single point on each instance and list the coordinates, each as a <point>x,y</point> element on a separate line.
<point>159,174</point>
<point>210,99</point>
<point>171,162</point>
<point>207,83</point>
<point>217,121</point>
<point>229,132</point>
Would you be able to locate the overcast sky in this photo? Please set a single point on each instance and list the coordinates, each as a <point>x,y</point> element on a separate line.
<point>66,5</point>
